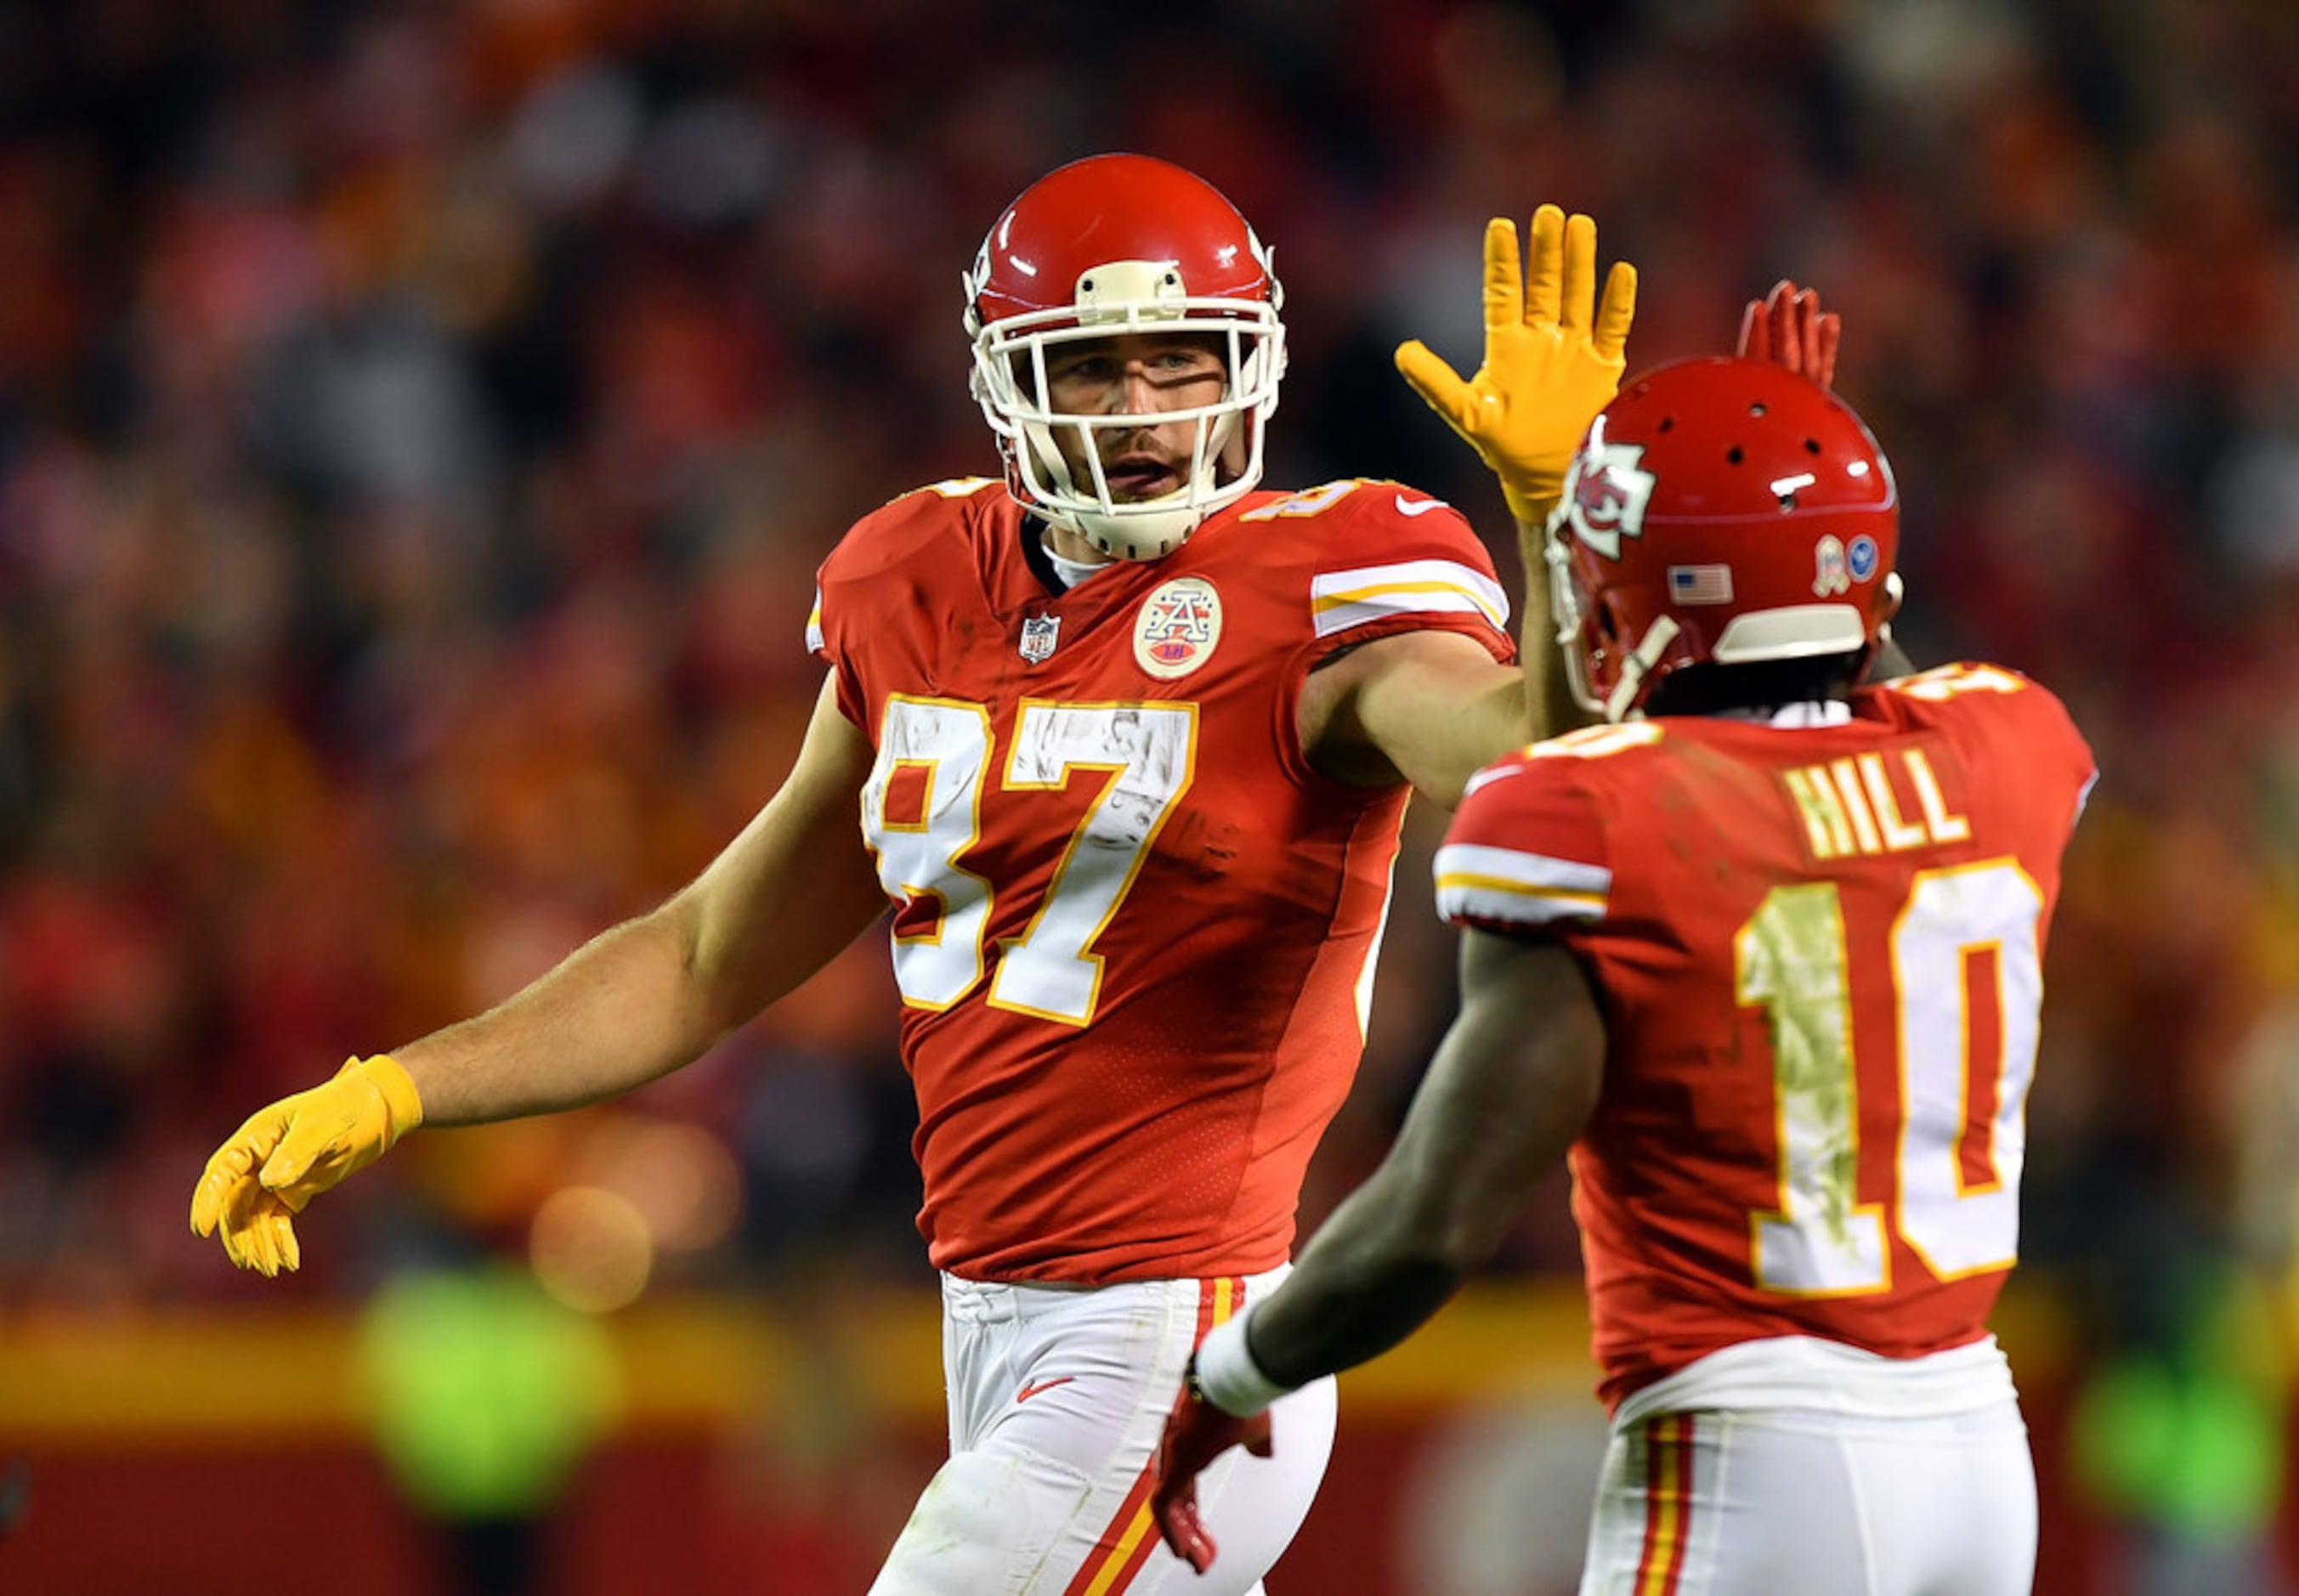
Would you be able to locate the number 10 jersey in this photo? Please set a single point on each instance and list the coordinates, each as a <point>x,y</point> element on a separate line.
<point>1134,930</point>
<point>1819,948</point>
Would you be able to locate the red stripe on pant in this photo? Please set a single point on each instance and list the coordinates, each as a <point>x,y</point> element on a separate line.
<point>1668,1504</point>
<point>1124,1545</point>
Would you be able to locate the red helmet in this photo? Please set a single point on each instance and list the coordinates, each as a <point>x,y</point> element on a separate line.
<point>1719,510</point>
<point>1120,244</point>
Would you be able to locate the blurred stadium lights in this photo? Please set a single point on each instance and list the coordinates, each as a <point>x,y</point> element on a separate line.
<point>591,1249</point>
<point>681,1181</point>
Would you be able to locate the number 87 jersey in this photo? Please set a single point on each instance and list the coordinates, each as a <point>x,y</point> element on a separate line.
<point>1818,942</point>
<point>1134,930</point>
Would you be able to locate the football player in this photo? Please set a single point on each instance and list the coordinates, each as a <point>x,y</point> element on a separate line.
<point>1125,740</point>
<point>1762,954</point>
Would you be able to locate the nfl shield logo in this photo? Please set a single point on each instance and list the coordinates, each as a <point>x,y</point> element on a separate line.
<point>1038,636</point>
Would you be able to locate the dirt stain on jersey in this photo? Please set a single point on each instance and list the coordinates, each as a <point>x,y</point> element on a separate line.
<point>1792,962</point>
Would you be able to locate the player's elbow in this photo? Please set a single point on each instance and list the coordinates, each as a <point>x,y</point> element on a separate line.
<point>1449,1231</point>
<point>702,967</point>
<point>1468,1239</point>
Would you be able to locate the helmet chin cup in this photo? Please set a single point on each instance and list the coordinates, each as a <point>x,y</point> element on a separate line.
<point>1145,533</point>
<point>1125,529</point>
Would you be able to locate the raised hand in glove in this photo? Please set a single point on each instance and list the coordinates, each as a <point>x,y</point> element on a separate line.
<point>1196,1434</point>
<point>290,1153</point>
<point>1787,327</point>
<point>1554,357</point>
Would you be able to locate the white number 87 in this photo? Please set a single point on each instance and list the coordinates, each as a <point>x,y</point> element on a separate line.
<point>1148,755</point>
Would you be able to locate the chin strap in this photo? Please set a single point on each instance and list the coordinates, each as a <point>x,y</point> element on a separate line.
<point>1638,666</point>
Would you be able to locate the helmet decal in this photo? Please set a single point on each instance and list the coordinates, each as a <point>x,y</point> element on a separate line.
<point>1828,568</point>
<point>1722,511</point>
<point>1605,491</point>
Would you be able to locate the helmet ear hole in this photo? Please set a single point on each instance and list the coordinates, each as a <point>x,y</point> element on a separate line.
<point>1608,625</point>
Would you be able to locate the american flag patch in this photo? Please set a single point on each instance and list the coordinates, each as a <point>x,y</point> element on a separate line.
<point>1700,583</point>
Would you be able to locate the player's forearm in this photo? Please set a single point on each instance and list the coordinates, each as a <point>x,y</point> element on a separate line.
<point>1513,1083</point>
<point>654,993</point>
<point>1459,732</point>
<point>1548,707</point>
<point>1365,1282</point>
<point>1431,707</point>
<point>625,1007</point>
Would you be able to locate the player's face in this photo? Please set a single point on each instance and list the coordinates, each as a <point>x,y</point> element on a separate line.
<point>1138,374</point>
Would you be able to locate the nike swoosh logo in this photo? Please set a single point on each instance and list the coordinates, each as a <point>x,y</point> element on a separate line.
<point>1417,506</point>
<point>1027,1391</point>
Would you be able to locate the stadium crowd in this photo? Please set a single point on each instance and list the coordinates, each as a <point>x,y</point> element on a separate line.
<point>419,424</point>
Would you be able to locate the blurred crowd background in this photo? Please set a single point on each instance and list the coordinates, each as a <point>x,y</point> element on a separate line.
<point>419,424</point>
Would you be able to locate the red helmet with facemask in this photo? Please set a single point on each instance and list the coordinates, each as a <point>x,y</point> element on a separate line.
<point>1112,245</point>
<point>1723,511</point>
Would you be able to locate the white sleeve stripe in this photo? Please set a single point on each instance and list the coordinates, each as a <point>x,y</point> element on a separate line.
<point>1406,572</point>
<point>1452,601</point>
<point>814,625</point>
<point>1512,867</point>
<point>1514,906</point>
<point>1495,883</point>
<point>1341,599</point>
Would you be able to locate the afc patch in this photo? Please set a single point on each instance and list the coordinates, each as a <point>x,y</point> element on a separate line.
<point>1039,634</point>
<point>1179,627</point>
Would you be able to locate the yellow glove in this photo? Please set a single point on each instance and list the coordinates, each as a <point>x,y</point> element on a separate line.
<point>1553,357</point>
<point>290,1153</point>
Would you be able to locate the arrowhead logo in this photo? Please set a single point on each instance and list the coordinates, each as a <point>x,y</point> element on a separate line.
<point>1605,493</point>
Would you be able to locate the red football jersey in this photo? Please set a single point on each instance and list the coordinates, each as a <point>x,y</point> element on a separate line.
<point>1819,950</point>
<point>1134,930</point>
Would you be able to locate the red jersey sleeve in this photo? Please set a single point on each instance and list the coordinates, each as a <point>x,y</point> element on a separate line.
<point>870,586</point>
<point>1391,558</point>
<point>1527,852</point>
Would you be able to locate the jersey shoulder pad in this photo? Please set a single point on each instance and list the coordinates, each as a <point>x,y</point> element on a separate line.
<point>1527,851</point>
<point>897,530</point>
<point>2019,722</point>
<point>851,577</point>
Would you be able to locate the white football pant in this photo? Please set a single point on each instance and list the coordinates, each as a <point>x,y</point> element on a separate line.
<point>1056,1398</point>
<point>1802,1502</point>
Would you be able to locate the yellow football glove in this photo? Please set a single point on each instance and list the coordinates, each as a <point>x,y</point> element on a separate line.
<point>290,1153</point>
<point>1553,357</point>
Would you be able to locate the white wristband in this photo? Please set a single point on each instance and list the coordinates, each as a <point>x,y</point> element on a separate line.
<point>1227,1376</point>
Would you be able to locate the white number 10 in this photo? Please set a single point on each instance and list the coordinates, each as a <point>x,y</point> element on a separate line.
<point>1147,753</point>
<point>1791,960</point>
